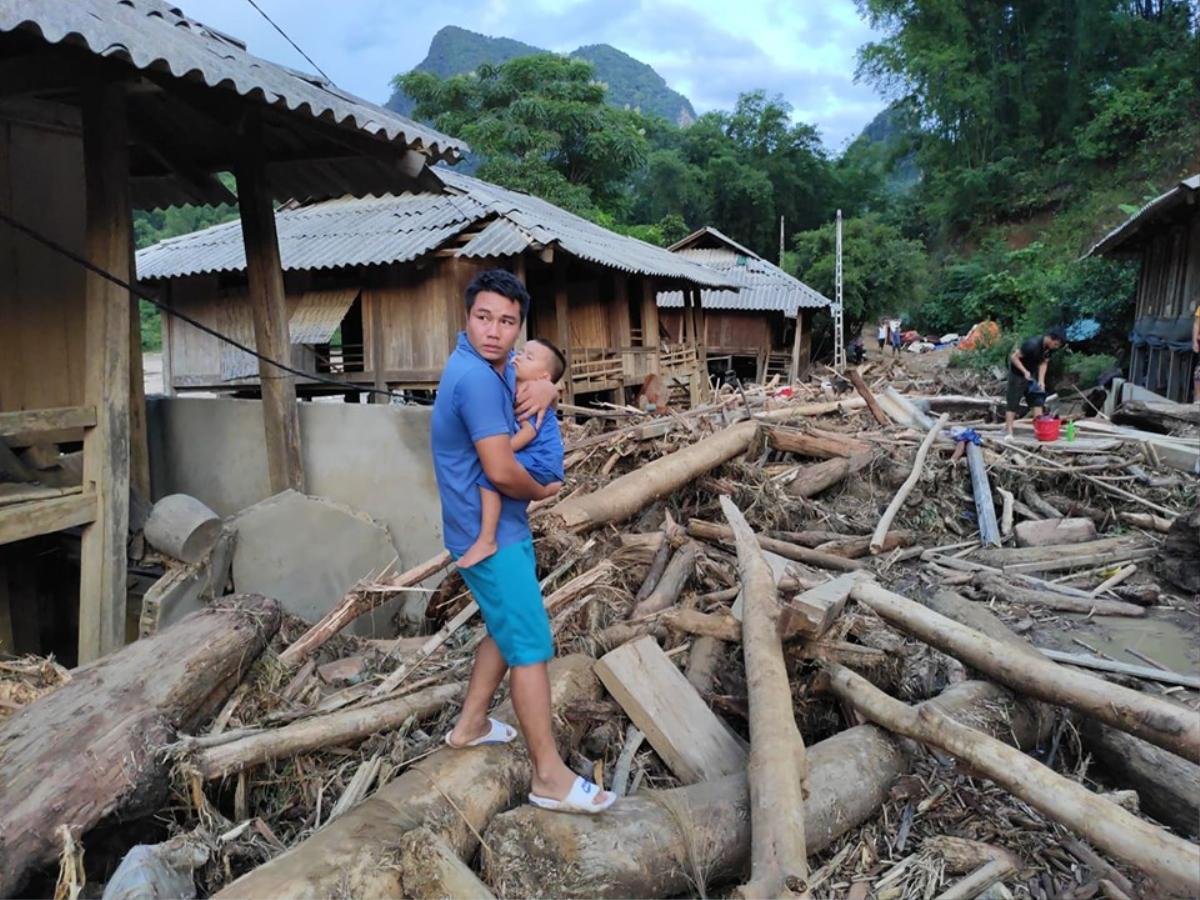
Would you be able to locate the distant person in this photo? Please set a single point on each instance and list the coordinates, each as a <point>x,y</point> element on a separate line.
<point>882,334</point>
<point>856,352</point>
<point>1023,384</point>
<point>894,331</point>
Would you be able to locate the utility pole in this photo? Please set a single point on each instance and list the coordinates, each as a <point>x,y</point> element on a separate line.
<point>839,326</point>
<point>781,242</point>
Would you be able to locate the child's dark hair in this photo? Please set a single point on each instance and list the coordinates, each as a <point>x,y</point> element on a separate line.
<point>498,281</point>
<point>559,364</point>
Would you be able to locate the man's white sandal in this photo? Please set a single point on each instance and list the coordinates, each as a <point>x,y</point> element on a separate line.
<point>498,733</point>
<point>578,800</point>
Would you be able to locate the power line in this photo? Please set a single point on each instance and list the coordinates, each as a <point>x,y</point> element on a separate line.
<point>144,294</point>
<point>290,41</point>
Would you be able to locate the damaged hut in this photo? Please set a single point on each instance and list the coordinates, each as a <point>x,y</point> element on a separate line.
<point>375,285</point>
<point>108,107</point>
<point>762,329</point>
<point>1164,236</point>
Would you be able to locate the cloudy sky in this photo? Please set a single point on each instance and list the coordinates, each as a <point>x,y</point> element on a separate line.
<point>708,50</point>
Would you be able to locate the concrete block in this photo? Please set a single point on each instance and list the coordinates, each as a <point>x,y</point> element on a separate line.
<point>1051,532</point>
<point>307,552</point>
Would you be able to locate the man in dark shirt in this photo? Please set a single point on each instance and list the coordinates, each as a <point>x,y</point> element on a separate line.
<point>1033,354</point>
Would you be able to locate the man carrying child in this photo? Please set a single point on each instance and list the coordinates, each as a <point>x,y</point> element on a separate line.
<point>484,491</point>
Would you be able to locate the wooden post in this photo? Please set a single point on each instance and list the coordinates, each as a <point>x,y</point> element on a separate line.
<point>268,302</point>
<point>375,300</point>
<point>518,269</point>
<point>650,334</point>
<point>168,366</point>
<point>109,238</point>
<point>622,330</point>
<point>139,447</point>
<point>794,372</point>
<point>563,321</point>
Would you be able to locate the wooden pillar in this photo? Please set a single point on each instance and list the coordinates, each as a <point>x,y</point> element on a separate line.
<point>373,305</point>
<point>168,366</point>
<point>139,446</point>
<point>622,330</point>
<point>794,371</point>
<point>650,332</point>
<point>700,340</point>
<point>518,269</point>
<point>268,302</point>
<point>562,319</point>
<point>109,238</point>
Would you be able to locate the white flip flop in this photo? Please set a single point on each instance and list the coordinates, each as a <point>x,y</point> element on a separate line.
<point>578,800</point>
<point>499,733</point>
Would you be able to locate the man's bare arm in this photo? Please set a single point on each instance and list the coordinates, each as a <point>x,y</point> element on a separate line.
<point>1015,359</point>
<point>508,475</point>
<point>1041,376</point>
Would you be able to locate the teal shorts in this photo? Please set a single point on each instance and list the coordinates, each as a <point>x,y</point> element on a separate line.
<point>506,588</point>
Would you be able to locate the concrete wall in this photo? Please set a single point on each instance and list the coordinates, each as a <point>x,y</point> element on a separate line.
<point>375,459</point>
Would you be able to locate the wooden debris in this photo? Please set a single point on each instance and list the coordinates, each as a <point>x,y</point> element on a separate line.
<point>1002,589</point>
<point>679,726</point>
<point>877,412</point>
<point>985,510</point>
<point>803,443</point>
<point>812,480</point>
<point>885,521</point>
<point>429,870</point>
<point>813,612</point>
<point>1054,532</point>
<point>710,531</point>
<point>674,577</point>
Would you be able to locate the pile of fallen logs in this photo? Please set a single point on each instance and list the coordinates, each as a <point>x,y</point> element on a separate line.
<point>820,643</point>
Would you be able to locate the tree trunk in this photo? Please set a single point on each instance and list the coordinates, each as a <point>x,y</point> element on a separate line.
<point>997,586</point>
<point>858,547</point>
<point>453,793</point>
<point>344,726</point>
<point>91,750</point>
<point>985,509</point>
<point>793,440</point>
<point>778,768</point>
<point>356,603</point>
<point>811,480</point>
<point>710,531</point>
<point>629,494</point>
<point>721,626</point>
<point>1168,787</point>
<point>877,412</point>
<point>430,870</point>
<point>1178,561</point>
<point>1171,860</point>
<point>1159,721</point>
<point>665,843</point>
<point>674,577</point>
<point>885,521</point>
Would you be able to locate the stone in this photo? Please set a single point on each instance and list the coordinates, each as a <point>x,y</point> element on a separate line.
<point>1051,532</point>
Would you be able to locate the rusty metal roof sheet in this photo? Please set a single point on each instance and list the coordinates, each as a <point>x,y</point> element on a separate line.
<point>155,36</point>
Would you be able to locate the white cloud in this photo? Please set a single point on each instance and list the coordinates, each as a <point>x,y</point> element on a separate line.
<point>708,50</point>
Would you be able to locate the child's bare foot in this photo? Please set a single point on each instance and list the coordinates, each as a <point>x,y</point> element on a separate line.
<point>476,553</point>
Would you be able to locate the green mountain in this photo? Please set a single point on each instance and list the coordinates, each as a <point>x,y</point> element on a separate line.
<point>631,83</point>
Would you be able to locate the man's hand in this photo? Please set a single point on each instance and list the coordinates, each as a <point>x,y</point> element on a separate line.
<point>534,399</point>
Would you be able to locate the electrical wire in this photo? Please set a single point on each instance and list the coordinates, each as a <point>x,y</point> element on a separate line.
<point>290,41</point>
<point>144,294</point>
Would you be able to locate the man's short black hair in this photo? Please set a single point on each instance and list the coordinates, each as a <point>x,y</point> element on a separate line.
<point>1057,333</point>
<point>560,362</point>
<point>498,281</point>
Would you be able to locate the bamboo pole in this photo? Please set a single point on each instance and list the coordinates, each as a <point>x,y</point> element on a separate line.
<point>885,521</point>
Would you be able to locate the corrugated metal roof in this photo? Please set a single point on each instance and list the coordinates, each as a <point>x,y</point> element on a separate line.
<point>392,229</point>
<point>318,314</point>
<point>764,286</point>
<point>1181,193</point>
<point>155,36</point>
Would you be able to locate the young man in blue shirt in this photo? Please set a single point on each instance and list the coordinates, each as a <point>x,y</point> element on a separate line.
<point>473,421</point>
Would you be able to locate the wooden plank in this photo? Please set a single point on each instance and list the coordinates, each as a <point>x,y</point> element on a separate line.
<point>22,493</point>
<point>139,445</point>
<point>102,587</point>
<point>813,612</point>
<point>31,421</point>
<point>268,302</point>
<point>681,728</point>
<point>794,369</point>
<point>650,334</point>
<point>24,520</point>
<point>562,320</point>
<point>1085,661</point>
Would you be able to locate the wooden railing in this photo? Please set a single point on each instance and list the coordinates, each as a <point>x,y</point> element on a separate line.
<point>340,359</point>
<point>604,368</point>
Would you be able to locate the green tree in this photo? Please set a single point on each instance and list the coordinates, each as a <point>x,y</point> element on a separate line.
<point>541,125</point>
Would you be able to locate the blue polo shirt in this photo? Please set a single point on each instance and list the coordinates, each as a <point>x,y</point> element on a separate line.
<point>474,401</point>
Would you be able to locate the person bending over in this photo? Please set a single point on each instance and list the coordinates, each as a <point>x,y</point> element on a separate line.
<point>538,448</point>
<point>1022,383</point>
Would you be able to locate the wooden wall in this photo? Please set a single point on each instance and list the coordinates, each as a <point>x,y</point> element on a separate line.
<point>41,293</point>
<point>732,330</point>
<point>1169,283</point>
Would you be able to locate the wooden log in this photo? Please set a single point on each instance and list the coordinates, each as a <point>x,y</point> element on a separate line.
<point>453,793</point>
<point>1168,787</point>
<point>91,750</point>
<point>710,531</point>
<point>675,576</point>
<point>1170,860</point>
<point>858,547</point>
<point>1006,516</point>
<point>356,603</point>
<point>722,626</point>
<point>333,729</point>
<point>268,303</point>
<point>803,410</point>
<point>793,440</point>
<point>910,413</point>
<point>657,565</point>
<point>1099,664</point>
<point>1055,532</point>
<point>182,527</point>
<point>659,845</point>
<point>1055,559</point>
<point>679,725</point>
<point>105,377</point>
<point>885,521</point>
<point>704,657</point>
<point>629,494</point>
<point>979,881</point>
<point>1156,720</point>
<point>430,870</point>
<point>1149,521</point>
<point>778,768</point>
<point>812,480</point>
<point>856,379</point>
<point>1000,588</point>
<point>985,510</point>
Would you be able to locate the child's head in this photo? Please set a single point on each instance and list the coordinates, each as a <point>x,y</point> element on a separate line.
<point>539,360</point>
